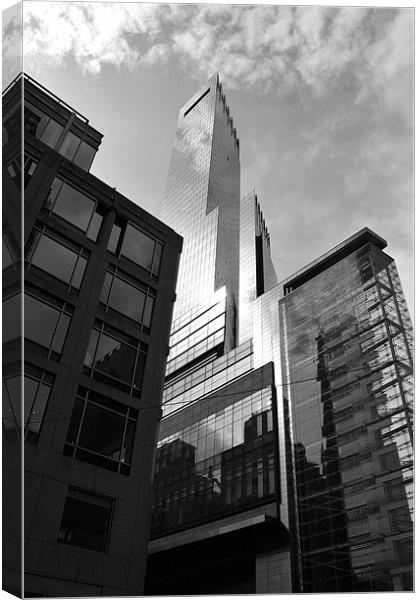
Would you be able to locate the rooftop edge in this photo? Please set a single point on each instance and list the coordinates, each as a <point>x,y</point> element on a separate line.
<point>342,250</point>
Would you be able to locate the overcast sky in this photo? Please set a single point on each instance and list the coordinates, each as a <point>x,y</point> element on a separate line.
<point>321,99</point>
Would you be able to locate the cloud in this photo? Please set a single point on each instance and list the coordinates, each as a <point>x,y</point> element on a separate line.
<point>11,44</point>
<point>270,49</point>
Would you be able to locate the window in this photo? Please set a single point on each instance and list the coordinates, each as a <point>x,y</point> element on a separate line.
<point>128,297</point>
<point>404,550</point>
<point>114,238</point>
<point>101,431</point>
<point>10,249</point>
<point>142,249</point>
<point>74,207</point>
<point>116,358</point>
<point>400,519</point>
<point>69,146</point>
<point>86,520</point>
<point>12,320</point>
<point>58,257</point>
<point>84,156</point>
<point>49,131</point>
<point>395,490</point>
<point>14,169</point>
<point>37,389</point>
<point>46,323</point>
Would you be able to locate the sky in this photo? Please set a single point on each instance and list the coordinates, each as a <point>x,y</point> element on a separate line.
<point>322,99</point>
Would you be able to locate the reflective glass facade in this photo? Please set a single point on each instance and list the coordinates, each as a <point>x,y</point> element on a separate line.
<point>202,203</point>
<point>217,456</point>
<point>347,373</point>
<point>256,274</point>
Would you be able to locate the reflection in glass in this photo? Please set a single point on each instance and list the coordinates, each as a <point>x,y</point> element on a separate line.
<point>86,520</point>
<point>142,249</point>
<point>37,389</point>
<point>215,465</point>
<point>101,432</point>
<point>52,256</point>
<point>120,359</point>
<point>45,325</point>
<point>128,299</point>
<point>70,204</point>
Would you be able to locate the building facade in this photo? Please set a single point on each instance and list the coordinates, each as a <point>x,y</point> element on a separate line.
<point>284,463</point>
<point>99,278</point>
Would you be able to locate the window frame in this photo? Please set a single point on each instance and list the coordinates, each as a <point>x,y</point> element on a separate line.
<point>87,397</point>
<point>149,293</point>
<point>72,493</point>
<point>42,230</point>
<point>140,348</point>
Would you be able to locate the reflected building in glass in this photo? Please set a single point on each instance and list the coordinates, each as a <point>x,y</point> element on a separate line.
<point>284,461</point>
<point>99,279</point>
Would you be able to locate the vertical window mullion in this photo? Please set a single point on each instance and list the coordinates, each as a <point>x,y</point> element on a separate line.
<point>123,439</point>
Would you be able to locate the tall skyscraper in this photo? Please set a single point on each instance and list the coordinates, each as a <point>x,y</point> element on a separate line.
<point>99,280</point>
<point>202,204</point>
<point>284,458</point>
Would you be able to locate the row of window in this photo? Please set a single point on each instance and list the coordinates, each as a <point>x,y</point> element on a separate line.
<point>101,430</point>
<point>111,356</point>
<point>86,215</point>
<point>49,131</point>
<point>67,261</point>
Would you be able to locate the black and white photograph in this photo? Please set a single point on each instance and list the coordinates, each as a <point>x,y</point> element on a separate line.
<point>208,285</point>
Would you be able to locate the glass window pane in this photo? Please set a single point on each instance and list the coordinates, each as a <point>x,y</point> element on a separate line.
<point>30,388</point>
<point>69,146</point>
<point>90,353</point>
<point>84,156</point>
<point>6,256</point>
<point>113,238</point>
<point>115,359</point>
<point>51,133</point>
<point>127,299</point>
<point>147,316</point>
<point>157,258</point>
<point>54,258</point>
<point>75,421</point>
<point>34,419</point>
<point>12,318</point>
<point>105,288</point>
<point>86,520</point>
<point>94,226</point>
<point>60,333</point>
<point>12,390</point>
<point>40,321</point>
<point>74,207</point>
<point>102,431</point>
<point>78,272</point>
<point>138,247</point>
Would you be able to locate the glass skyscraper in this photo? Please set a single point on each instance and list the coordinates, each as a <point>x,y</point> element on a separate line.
<point>285,449</point>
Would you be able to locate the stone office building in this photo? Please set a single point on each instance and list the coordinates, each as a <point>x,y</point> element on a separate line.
<point>99,279</point>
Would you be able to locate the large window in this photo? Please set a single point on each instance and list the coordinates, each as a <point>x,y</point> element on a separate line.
<point>12,318</point>
<point>46,323</point>
<point>142,249</point>
<point>86,520</point>
<point>101,431</point>
<point>129,297</point>
<point>116,358</point>
<point>49,131</point>
<point>37,389</point>
<point>56,256</point>
<point>74,207</point>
